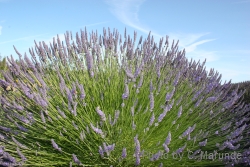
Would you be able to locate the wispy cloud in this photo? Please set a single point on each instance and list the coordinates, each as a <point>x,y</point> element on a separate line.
<point>127,12</point>
<point>23,38</point>
<point>193,46</point>
<point>188,39</point>
<point>1,30</point>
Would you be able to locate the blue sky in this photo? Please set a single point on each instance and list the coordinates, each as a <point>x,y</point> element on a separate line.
<point>218,30</point>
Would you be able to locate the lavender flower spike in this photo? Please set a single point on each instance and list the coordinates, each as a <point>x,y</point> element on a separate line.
<point>180,150</point>
<point>165,148</point>
<point>98,131</point>
<point>75,159</point>
<point>151,97</point>
<point>152,120</point>
<point>168,139</point>
<point>124,153</point>
<point>101,151</point>
<point>101,114</point>
<point>170,95</point>
<point>137,150</point>
<point>126,93</point>
<point>55,145</point>
<point>203,143</point>
<point>180,112</point>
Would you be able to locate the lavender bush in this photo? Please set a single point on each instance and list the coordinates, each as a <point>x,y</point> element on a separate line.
<point>105,101</point>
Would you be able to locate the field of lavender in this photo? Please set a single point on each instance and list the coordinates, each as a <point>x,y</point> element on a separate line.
<point>105,100</point>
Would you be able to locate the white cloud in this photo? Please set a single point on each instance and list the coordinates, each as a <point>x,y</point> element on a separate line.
<point>127,12</point>
<point>193,46</point>
<point>1,30</point>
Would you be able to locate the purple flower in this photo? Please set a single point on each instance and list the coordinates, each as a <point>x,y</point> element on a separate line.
<point>170,95</point>
<point>137,145</point>
<point>177,78</point>
<point>82,92</point>
<point>138,70</point>
<point>74,109</point>
<point>198,102</point>
<point>69,94</point>
<point>75,159</point>
<point>129,74</point>
<point>101,114</point>
<point>89,60</point>
<point>137,160</point>
<point>55,145</point>
<point>98,131</point>
<point>152,119</point>
<point>21,128</point>
<point>101,151</point>
<point>168,139</point>
<point>156,156</point>
<point>203,143</point>
<point>211,99</point>
<point>9,158</point>
<point>165,147</point>
<point>180,150</point>
<point>4,84</point>
<point>124,153</point>
<point>61,112</point>
<point>161,116</point>
<point>40,101</point>
<point>140,82</point>
<point>5,129</point>
<point>193,155</point>
<point>197,94</point>
<point>126,93</point>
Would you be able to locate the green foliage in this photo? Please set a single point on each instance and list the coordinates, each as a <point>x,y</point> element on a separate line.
<point>3,65</point>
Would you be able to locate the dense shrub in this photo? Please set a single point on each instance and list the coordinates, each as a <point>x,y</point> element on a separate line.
<point>246,87</point>
<point>102,101</point>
